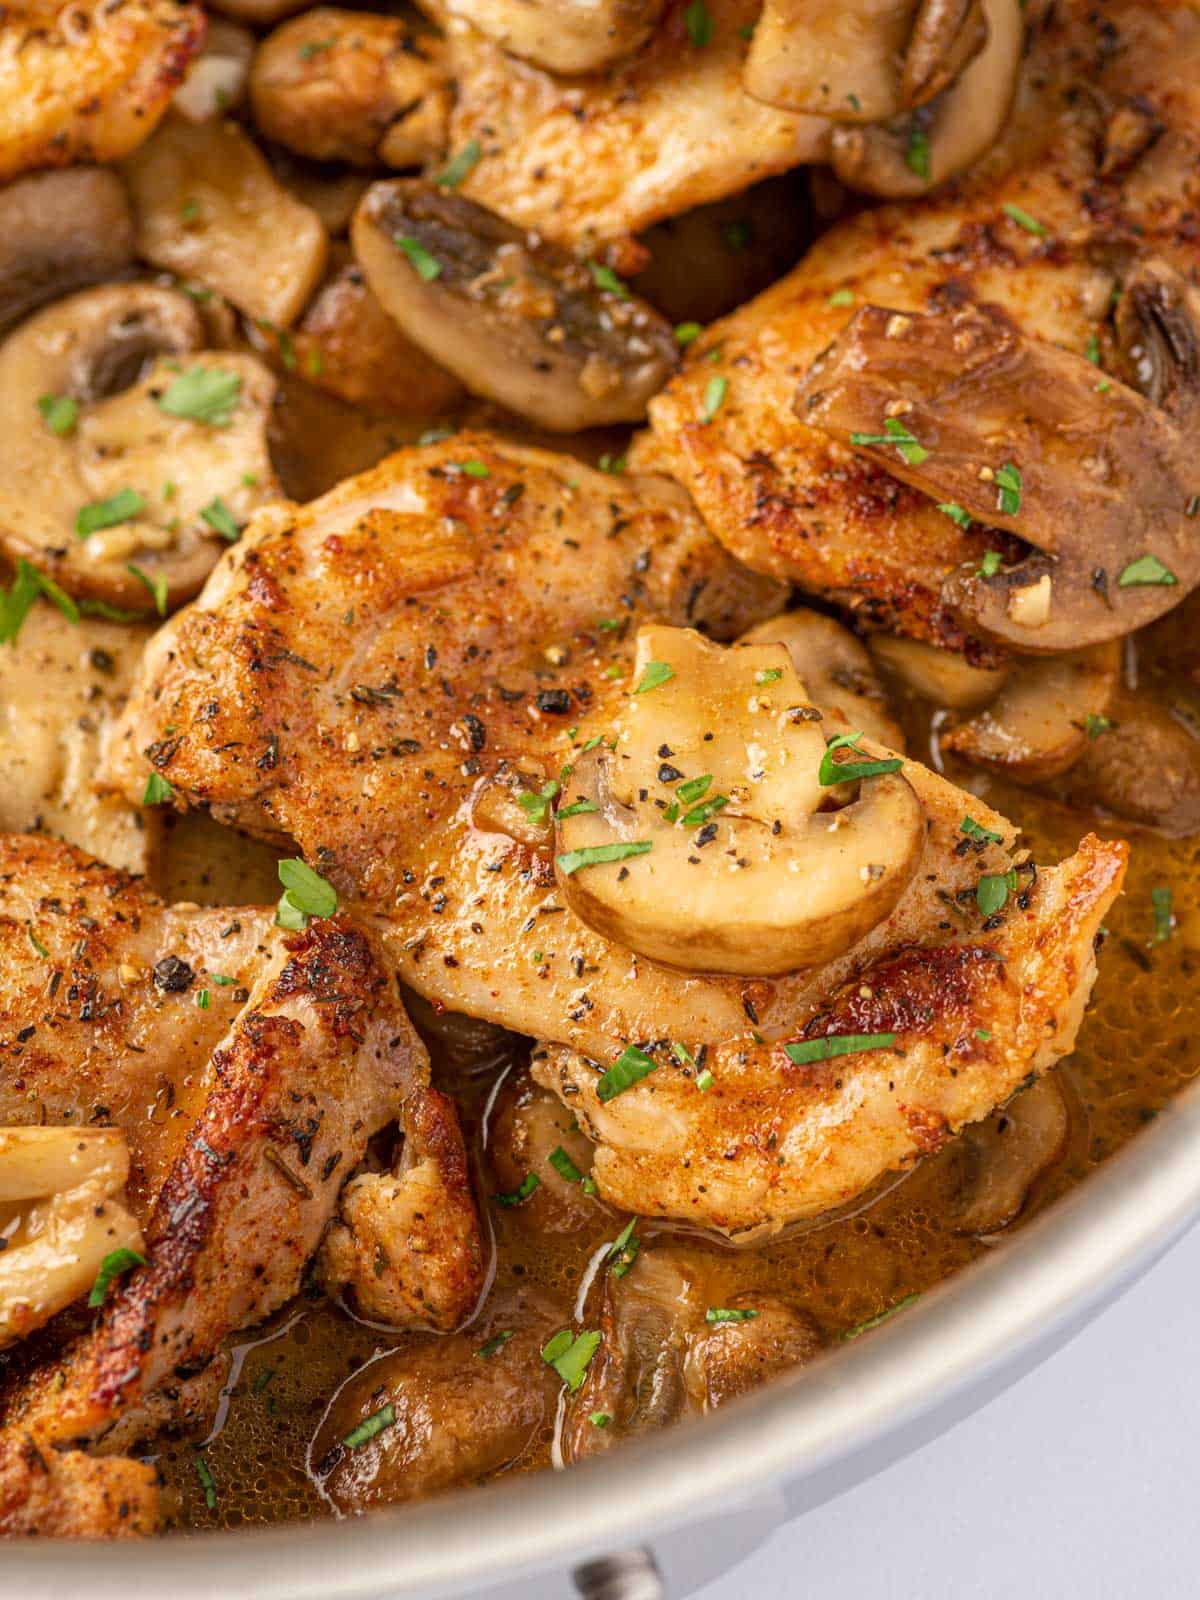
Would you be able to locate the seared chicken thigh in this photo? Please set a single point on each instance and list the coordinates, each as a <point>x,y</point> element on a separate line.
<point>603,155</point>
<point>1095,177</point>
<point>249,1067</point>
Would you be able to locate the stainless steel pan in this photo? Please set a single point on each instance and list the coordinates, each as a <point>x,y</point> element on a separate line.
<point>618,1528</point>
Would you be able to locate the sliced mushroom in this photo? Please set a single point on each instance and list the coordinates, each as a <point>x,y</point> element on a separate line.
<point>461,1408</point>
<point>863,62</point>
<point>1022,435</point>
<point>352,86</point>
<point>346,344</point>
<point>913,154</point>
<point>522,322</point>
<point>1144,767</point>
<point>60,231</point>
<point>61,1214</point>
<point>216,80</point>
<point>529,1126</point>
<point>714,854</point>
<point>1044,717</point>
<point>835,669</point>
<point>333,193</point>
<point>208,208</point>
<point>1001,1159</point>
<point>566,36</point>
<point>123,483</point>
<point>946,679</point>
<point>63,684</point>
<point>676,1343</point>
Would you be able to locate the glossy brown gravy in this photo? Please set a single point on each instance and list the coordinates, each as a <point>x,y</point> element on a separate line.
<point>1138,1047</point>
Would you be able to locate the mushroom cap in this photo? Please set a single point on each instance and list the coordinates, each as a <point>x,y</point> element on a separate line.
<point>60,231</point>
<point>566,36</point>
<point>519,321</point>
<point>711,797</point>
<point>149,472</point>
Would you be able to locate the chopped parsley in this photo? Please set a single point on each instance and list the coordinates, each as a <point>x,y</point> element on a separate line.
<point>1022,219</point>
<point>882,1316</point>
<point>203,394</point>
<point>156,583</point>
<point>108,513</point>
<point>207,1482</point>
<point>805,1051</point>
<point>993,889</point>
<point>17,602</point>
<point>623,1251</point>
<point>115,1264</point>
<point>460,168</point>
<point>832,771</point>
<point>656,674</point>
<point>841,297</point>
<point>305,894</point>
<point>729,1314</point>
<point>686,333</point>
<point>59,412</point>
<point>768,675</point>
<point>423,264</point>
<point>219,517</point>
<point>570,1355</point>
<point>976,830</point>
<point>37,944</point>
<point>537,806</point>
<point>990,565</point>
<point>578,808</point>
<point>203,999</point>
<point>630,1067</point>
<point>695,788</point>
<point>699,23</point>
<point>1145,572</point>
<point>916,155</point>
<point>521,1193</point>
<point>894,433</point>
<point>714,396</point>
<point>599,1419</point>
<point>472,469</point>
<point>699,815</point>
<point>957,514</point>
<point>157,790</point>
<point>385,1417</point>
<point>497,1342</point>
<point>1008,486</point>
<point>1164,915</point>
<point>704,1081</point>
<point>564,1166</point>
<point>605,278</point>
<point>597,855</point>
<point>1096,724</point>
<point>1091,350</point>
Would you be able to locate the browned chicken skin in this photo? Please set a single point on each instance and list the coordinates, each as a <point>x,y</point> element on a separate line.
<point>270,1097</point>
<point>1045,228</point>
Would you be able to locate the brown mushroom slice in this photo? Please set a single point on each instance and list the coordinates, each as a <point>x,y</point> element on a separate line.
<point>123,499</point>
<point>208,208</point>
<point>835,669</point>
<point>766,1337</point>
<point>1021,435</point>
<point>61,1214</point>
<point>60,231</point>
<point>1044,717</point>
<point>943,677</point>
<point>863,62</point>
<point>559,341</point>
<point>457,1408</point>
<point>913,154</point>
<point>697,840</point>
<point>1144,766</point>
<point>351,86</point>
<point>566,36</point>
<point>1002,1158</point>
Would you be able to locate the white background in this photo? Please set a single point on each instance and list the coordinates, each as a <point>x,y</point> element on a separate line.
<point>1079,1483</point>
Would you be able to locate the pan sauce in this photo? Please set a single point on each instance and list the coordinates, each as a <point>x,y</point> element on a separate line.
<point>1137,1048</point>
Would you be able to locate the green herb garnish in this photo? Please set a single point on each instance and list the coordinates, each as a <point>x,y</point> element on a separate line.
<point>156,584</point>
<point>1008,483</point>
<point>729,1314</point>
<point>990,565</point>
<point>597,855</point>
<point>17,602</point>
<point>656,674</point>
<point>956,513</point>
<point>1024,220</point>
<point>385,1417</point>
<point>993,889</point>
<point>1164,915</point>
<point>207,1482</point>
<point>894,433</point>
<point>521,1193</point>
<point>916,155</point>
<point>1146,571</point>
<point>537,806</point>
<point>832,771</point>
<point>59,412</point>
<point>836,1044</point>
<point>461,167</point>
<point>841,297</point>
<point>605,278</point>
<point>305,894</point>
<point>497,1342</point>
<point>115,1264</point>
<point>219,517</point>
<point>714,396</point>
<point>570,1355</point>
<point>686,333</point>
<point>157,790</point>
<point>976,830</point>
<point>203,394</point>
<point>108,513</point>
<point>423,264</point>
<point>630,1067</point>
<point>882,1316</point>
<point>623,1251</point>
<point>699,23</point>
